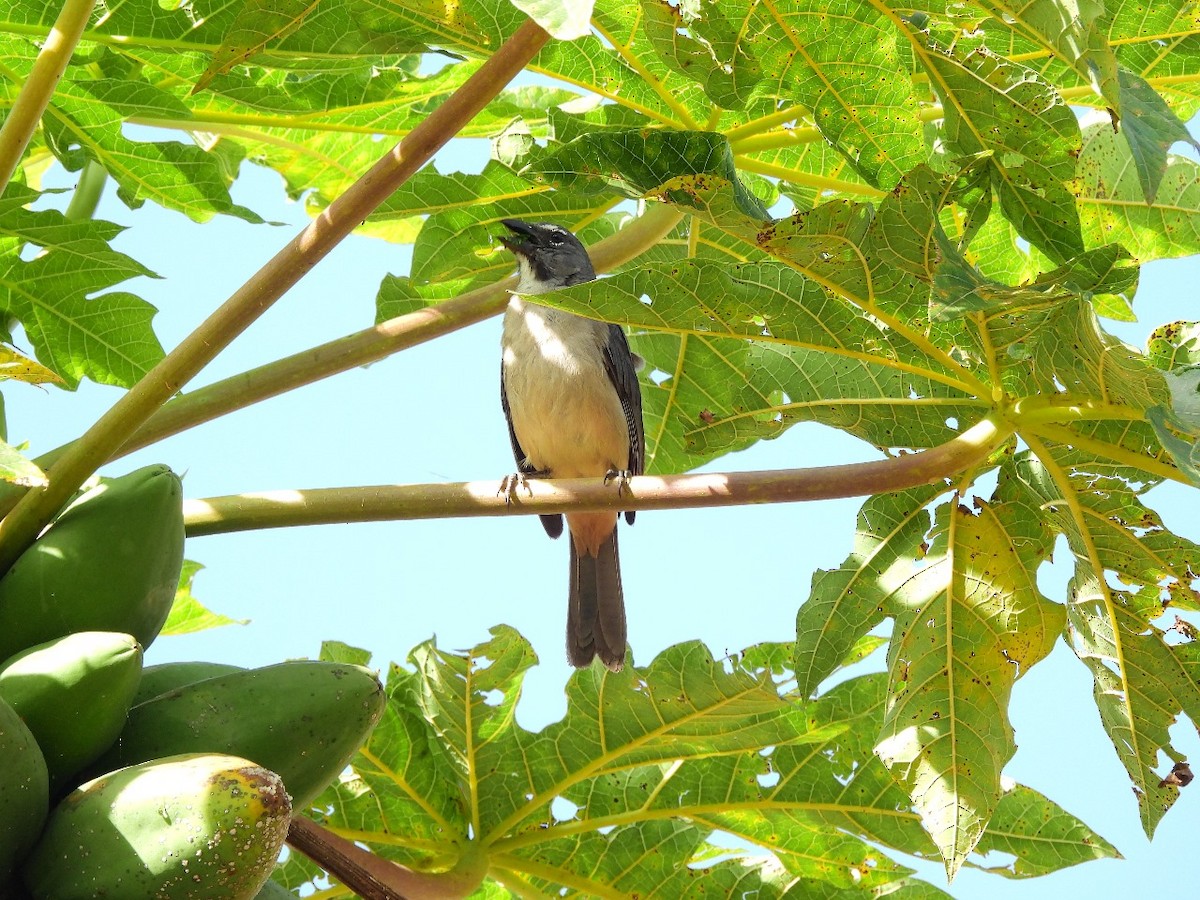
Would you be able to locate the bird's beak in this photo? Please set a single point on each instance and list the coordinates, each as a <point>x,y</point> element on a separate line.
<point>521,241</point>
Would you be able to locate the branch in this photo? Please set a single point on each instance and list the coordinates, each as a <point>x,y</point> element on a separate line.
<point>39,87</point>
<point>280,509</point>
<point>361,348</point>
<point>375,878</point>
<point>287,267</point>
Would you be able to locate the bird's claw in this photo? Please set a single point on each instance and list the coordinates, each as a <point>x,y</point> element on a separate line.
<point>621,477</point>
<point>510,484</point>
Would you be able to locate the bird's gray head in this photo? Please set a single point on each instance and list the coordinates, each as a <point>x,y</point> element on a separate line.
<point>548,256</point>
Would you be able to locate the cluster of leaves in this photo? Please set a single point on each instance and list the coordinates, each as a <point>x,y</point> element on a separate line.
<point>623,795</point>
<point>971,186</point>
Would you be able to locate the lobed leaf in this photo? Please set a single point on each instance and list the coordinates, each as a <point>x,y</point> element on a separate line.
<point>1142,682</point>
<point>967,624</point>
<point>76,330</point>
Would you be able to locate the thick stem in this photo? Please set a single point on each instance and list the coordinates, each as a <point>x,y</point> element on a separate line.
<point>279,509</point>
<point>288,266</point>
<point>87,192</point>
<point>39,87</point>
<point>374,878</point>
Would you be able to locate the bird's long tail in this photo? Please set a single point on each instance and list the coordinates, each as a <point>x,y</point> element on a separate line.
<point>596,611</point>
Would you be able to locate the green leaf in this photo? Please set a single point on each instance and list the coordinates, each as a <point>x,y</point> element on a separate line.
<point>336,651</point>
<point>1105,277</point>
<point>1180,439</point>
<point>1175,345</point>
<point>1150,128</point>
<point>1113,206</point>
<point>847,65</point>
<point>1140,32</point>
<point>187,614</point>
<point>628,792</point>
<point>1063,347</point>
<point>85,121</point>
<point>1040,835</point>
<point>457,247</point>
<point>849,601</point>
<point>1142,682</point>
<point>76,330</point>
<point>258,23</point>
<point>703,42</point>
<point>1028,134</point>
<point>737,353</point>
<point>1072,31</point>
<point>967,624</point>
<point>635,163</point>
<point>16,469</point>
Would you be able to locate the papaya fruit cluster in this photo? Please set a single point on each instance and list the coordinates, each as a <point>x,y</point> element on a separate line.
<point>176,780</point>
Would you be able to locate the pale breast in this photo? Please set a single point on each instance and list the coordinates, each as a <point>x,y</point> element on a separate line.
<point>565,411</point>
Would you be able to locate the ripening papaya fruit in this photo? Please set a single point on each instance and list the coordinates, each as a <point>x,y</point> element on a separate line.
<point>110,562</point>
<point>195,826</point>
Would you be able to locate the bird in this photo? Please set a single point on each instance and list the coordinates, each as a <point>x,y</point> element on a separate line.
<point>569,390</point>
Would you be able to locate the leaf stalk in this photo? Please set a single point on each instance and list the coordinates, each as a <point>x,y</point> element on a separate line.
<point>280,509</point>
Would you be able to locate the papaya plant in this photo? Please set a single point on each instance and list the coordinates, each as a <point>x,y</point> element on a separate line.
<point>920,227</point>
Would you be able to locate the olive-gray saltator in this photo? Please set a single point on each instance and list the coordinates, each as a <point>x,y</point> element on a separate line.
<point>569,389</point>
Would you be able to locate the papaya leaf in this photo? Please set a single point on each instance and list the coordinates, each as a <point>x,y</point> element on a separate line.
<point>1113,204</point>
<point>847,602</point>
<point>1073,31</point>
<point>16,469</point>
<point>1029,135</point>
<point>1138,34</point>
<point>258,23</point>
<point>564,20</point>
<point>1151,128</point>
<point>1106,272</point>
<point>753,348</point>
<point>1142,682</point>
<point>188,615</point>
<point>1175,345</point>
<point>634,163</point>
<point>76,330</point>
<point>337,651</point>
<point>968,623</point>
<point>626,793</point>
<point>85,121</point>
<point>20,367</point>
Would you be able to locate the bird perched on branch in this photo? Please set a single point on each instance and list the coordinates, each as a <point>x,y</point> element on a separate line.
<point>569,389</point>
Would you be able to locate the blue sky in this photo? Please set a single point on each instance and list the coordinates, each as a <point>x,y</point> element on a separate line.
<point>730,577</point>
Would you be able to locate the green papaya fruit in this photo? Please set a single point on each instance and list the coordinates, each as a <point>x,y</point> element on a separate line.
<point>168,676</point>
<point>24,790</point>
<point>74,693</point>
<point>110,562</point>
<point>303,719</point>
<point>197,826</point>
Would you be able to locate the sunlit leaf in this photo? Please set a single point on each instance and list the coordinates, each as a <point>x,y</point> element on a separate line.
<point>188,615</point>
<point>77,330</point>
<point>1030,137</point>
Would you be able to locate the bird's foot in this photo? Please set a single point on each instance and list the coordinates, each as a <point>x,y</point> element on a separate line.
<point>510,484</point>
<point>621,477</point>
